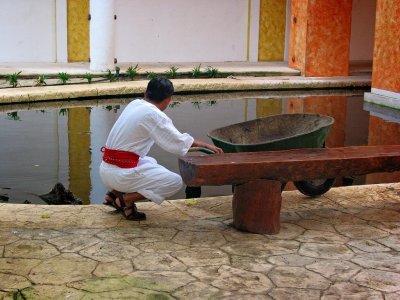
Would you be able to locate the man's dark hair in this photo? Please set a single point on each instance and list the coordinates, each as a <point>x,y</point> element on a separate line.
<point>159,88</point>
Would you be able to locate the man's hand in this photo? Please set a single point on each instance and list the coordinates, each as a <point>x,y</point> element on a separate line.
<point>202,144</point>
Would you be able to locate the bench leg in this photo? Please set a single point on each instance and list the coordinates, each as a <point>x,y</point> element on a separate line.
<point>256,206</point>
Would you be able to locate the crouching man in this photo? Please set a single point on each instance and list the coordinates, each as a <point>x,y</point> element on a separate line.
<point>126,170</point>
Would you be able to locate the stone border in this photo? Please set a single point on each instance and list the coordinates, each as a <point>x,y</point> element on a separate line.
<point>95,90</point>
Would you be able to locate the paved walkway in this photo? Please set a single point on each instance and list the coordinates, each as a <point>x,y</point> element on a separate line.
<point>343,245</point>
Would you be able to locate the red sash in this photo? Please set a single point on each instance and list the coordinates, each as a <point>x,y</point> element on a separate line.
<point>119,158</point>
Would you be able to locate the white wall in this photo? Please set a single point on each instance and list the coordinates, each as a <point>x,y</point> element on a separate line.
<point>362,30</point>
<point>181,30</point>
<point>28,31</point>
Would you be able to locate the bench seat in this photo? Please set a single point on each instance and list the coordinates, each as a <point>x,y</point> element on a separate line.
<point>258,176</point>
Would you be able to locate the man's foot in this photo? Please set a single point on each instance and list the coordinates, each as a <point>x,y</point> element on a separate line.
<point>130,211</point>
<point>109,200</point>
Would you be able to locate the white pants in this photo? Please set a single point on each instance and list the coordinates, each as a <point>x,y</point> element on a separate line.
<point>148,178</point>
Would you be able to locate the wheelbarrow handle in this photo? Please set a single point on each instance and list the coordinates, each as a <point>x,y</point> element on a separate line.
<point>201,149</point>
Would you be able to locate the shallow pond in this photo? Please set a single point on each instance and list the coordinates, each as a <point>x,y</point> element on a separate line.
<point>45,143</point>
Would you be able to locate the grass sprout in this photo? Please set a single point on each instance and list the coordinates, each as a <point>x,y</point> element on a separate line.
<point>196,71</point>
<point>172,72</point>
<point>212,72</point>
<point>110,76</point>
<point>88,76</point>
<point>63,77</point>
<point>41,80</point>
<point>12,79</point>
<point>131,72</point>
<point>150,75</point>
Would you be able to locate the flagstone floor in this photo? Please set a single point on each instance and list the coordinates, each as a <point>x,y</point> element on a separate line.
<point>345,244</point>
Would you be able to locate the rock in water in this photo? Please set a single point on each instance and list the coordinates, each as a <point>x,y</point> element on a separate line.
<point>59,195</point>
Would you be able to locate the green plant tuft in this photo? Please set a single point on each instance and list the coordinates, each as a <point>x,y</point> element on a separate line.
<point>172,72</point>
<point>131,72</point>
<point>88,76</point>
<point>212,72</point>
<point>12,79</point>
<point>196,71</point>
<point>63,77</point>
<point>17,295</point>
<point>150,75</point>
<point>41,80</point>
<point>110,76</point>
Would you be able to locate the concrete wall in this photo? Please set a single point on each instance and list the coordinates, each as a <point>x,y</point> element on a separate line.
<point>181,30</point>
<point>29,30</point>
<point>156,30</point>
<point>362,30</point>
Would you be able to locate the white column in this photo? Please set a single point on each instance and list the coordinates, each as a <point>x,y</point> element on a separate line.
<point>254,24</point>
<point>287,29</point>
<point>61,31</point>
<point>102,42</point>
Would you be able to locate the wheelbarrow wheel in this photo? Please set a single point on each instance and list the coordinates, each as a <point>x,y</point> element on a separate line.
<point>314,188</point>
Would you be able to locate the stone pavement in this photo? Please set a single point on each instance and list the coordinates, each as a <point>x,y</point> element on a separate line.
<point>342,245</point>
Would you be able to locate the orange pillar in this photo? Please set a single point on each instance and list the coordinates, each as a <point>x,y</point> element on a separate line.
<point>320,37</point>
<point>386,65</point>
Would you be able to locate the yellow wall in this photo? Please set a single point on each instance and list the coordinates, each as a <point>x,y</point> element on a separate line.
<point>78,30</point>
<point>271,45</point>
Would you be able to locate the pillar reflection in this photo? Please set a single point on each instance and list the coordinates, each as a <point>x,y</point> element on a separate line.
<point>79,152</point>
<point>382,132</point>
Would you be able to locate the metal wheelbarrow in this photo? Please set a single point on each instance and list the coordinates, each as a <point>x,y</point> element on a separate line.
<point>278,132</point>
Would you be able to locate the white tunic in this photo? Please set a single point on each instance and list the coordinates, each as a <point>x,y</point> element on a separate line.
<point>140,125</point>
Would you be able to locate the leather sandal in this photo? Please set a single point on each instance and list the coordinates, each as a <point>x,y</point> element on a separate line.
<point>135,215</point>
<point>112,203</point>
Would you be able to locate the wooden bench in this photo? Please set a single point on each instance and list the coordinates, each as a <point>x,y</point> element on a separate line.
<point>257,176</point>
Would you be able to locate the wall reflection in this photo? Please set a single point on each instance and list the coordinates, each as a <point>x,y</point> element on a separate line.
<point>79,152</point>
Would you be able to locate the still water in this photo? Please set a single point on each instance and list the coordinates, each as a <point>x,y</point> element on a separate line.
<point>45,143</point>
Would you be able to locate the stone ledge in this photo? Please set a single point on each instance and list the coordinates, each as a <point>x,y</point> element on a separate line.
<point>49,93</point>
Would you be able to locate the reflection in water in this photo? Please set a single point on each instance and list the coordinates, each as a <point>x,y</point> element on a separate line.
<point>13,116</point>
<point>61,144</point>
<point>78,150</point>
<point>382,132</point>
